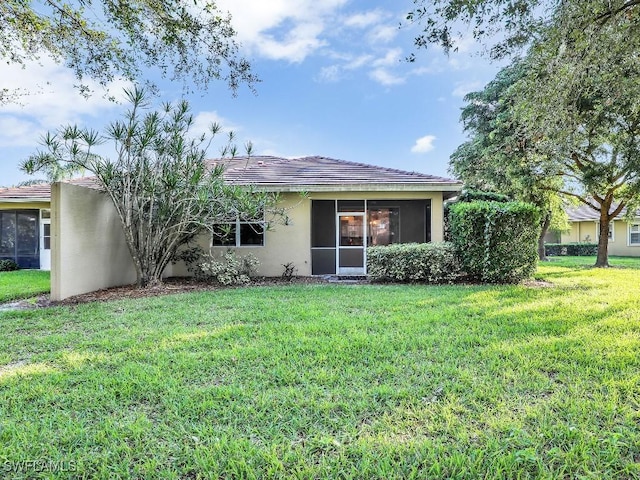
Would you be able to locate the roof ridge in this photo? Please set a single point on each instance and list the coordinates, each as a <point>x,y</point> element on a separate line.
<point>388,169</point>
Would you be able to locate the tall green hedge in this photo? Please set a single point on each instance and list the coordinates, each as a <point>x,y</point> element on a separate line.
<point>495,241</point>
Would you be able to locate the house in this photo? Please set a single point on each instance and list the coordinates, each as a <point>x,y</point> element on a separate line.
<point>346,207</point>
<point>624,236</point>
<point>25,224</point>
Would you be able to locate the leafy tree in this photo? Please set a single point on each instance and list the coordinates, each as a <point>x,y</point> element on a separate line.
<point>581,104</point>
<point>506,26</point>
<point>105,39</point>
<point>499,157</point>
<point>160,185</point>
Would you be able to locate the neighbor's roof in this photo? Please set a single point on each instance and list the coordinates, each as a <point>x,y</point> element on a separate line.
<point>325,174</point>
<point>40,192</point>
<point>583,213</point>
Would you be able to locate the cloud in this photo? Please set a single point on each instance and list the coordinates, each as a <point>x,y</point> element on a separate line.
<point>386,78</point>
<point>462,88</point>
<point>48,100</point>
<point>391,57</point>
<point>383,34</point>
<point>424,144</point>
<point>364,20</point>
<point>280,29</point>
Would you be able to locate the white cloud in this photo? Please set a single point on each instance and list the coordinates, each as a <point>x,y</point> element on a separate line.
<point>383,33</point>
<point>281,29</point>
<point>203,121</point>
<point>332,73</point>
<point>364,20</point>
<point>48,100</point>
<point>424,144</point>
<point>462,88</point>
<point>392,57</point>
<point>386,78</point>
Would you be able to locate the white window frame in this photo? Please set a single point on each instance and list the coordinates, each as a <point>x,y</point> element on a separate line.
<point>237,243</point>
<point>612,234</point>
<point>630,226</point>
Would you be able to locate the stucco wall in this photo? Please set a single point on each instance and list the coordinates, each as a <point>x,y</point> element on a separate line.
<point>88,246</point>
<point>617,246</point>
<point>292,242</point>
<point>4,205</point>
<point>581,232</point>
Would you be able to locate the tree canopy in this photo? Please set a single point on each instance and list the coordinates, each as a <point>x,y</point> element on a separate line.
<point>507,26</point>
<point>573,116</point>
<point>499,157</point>
<point>163,190</point>
<point>104,39</point>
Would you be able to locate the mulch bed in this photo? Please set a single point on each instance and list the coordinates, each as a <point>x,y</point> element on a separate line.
<point>176,285</point>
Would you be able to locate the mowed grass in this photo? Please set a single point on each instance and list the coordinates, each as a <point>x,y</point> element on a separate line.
<point>331,381</point>
<point>23,284</point>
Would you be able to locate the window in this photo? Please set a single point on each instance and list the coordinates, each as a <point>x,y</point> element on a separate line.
<point>384,226</point>
<point>611,231</point>
<point>46,236</point>
<point>239,234</point>
<point>634,234</point>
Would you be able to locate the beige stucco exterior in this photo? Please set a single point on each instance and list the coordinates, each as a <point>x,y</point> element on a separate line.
<point>89,251</point>
<point>291,243</point>
<point>587,231</point>
<point>88,248</point>
<point>9,205</point>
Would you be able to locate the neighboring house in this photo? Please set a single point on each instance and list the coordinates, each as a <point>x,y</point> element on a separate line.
<point>25,224</point>
<point>347,207</point>
<point>624,236</point>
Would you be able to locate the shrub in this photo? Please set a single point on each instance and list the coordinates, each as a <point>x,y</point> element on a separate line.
<point>413,262</point>
<point>474,195</point>
<point>228,268</point>
<point>7,265</point>
<point>495,241</point>
<point>574,249</point>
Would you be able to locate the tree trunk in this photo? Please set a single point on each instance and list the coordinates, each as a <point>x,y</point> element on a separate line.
<point>602,260</point>
<point>542,256</point>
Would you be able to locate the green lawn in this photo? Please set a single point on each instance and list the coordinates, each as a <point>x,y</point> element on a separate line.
<point>23,284</point>
<point>331,381</point>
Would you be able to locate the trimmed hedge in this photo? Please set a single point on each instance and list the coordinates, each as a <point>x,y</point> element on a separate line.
<point>495,241</point>
<point>581,249</point>
<point>413,262</point>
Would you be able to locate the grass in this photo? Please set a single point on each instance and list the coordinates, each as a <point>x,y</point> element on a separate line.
<point>23,284</point>
<point>326,381</point>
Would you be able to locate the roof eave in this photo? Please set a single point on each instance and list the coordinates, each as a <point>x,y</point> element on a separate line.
<point>25,199</point>
<point>362,187</point>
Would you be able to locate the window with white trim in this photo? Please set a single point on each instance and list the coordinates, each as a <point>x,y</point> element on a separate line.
<point>239,234</point>
<point>611,231</point>
<point>634,234</point>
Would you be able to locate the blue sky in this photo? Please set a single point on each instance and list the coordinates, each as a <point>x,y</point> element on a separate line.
<point>334,83</point>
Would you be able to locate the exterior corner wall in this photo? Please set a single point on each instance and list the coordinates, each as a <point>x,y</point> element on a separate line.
<point>88,247</point>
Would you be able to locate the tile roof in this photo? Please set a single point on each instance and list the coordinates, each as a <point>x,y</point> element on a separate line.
<point>295,173</point>
<point>40,191</point>
<point>288,174</point>
<point>583,213</point>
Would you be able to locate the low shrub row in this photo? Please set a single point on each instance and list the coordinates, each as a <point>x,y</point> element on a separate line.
<point>414,262</point>
<point>581,249</point>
